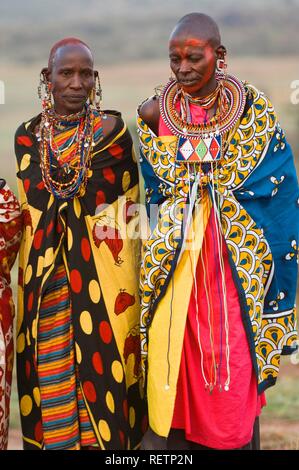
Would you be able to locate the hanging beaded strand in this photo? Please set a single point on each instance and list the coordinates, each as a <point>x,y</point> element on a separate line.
<point>207,381</point>
<point>219,239</point>
<point>79,163</point>
<point>72,155</point>
<point>218,96</point>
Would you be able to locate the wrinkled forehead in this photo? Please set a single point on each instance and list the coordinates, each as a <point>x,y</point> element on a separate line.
<point>69,54</point>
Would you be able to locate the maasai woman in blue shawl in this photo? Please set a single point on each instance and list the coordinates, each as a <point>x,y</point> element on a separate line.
<point>219,269</point>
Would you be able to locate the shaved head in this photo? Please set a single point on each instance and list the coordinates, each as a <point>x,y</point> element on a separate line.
<point>62,44</point>
<point>71,74</point>
<point>200,26</point>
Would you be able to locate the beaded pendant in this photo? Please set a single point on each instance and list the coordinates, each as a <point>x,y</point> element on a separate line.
<point>208,149</point>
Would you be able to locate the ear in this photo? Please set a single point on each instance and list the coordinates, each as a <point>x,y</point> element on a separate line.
<point>45,72</point>
<point>220,52</point>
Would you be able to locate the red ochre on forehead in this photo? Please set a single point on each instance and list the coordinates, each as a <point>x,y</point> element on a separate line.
<point>197,43</point>
<point>189,41</point>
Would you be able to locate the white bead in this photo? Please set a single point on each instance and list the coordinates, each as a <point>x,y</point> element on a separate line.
<point>167,387</point>
<point>226,388</point>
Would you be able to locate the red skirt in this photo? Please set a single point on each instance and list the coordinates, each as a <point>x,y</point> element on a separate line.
<point>220,419</point>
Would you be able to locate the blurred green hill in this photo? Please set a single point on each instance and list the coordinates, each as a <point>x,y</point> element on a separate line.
<point>124,30</point>
<point>129,39</point>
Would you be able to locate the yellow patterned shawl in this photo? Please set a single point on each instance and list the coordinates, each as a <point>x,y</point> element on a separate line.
<point>102,272</point>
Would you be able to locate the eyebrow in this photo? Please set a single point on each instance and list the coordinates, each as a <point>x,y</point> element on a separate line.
<point>69,67</point>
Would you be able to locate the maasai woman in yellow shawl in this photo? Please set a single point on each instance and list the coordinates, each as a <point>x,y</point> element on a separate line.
<point>78,334</point>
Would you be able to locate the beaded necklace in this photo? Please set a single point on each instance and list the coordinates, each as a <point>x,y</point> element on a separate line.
<point>229,110</point>
<point>203,142</point>
<point>206,102</point>
<point>65,161</point>
<point>218,125</point>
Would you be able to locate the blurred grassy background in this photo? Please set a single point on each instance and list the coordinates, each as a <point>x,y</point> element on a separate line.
<point>129,40</point>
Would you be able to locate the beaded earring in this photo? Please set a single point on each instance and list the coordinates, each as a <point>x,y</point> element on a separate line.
<point>221,73</point>
<point>96,93</point>
<point>44,92</point>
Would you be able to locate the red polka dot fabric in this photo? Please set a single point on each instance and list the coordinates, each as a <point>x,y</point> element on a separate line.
<point>79,233</point>
<point>10,233</point>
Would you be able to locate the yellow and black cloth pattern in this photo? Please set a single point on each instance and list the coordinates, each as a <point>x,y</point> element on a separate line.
<point>254,189</point>
<point>101,260</point>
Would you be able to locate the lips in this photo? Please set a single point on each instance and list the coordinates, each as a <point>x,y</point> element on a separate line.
<point>75,97</point>
<point>189,82</point>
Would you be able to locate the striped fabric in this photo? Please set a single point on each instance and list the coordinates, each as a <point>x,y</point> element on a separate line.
<point>66,424</point>
<point>65,139</point>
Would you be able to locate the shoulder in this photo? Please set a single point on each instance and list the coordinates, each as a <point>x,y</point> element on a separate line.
<point>257,103</point>
<point>114,128</point>
<point>149,109</point>
<point>112,122</point>
<point>149,112</point>
<point>254,95</point>
<point>28,127</point>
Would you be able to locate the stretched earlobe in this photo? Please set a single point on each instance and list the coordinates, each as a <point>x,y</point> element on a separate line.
<point>221,52</point>
<point>45,72</point>
<point>96,93</point>
<point>44,89</point>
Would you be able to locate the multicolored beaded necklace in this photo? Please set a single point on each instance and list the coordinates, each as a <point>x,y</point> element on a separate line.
<point>202,142</point>
<point>219,124</point>
<point>66,144</point>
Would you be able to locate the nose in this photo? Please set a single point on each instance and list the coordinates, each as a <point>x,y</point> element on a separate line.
<point>185,67</point>
<point>76,82</point>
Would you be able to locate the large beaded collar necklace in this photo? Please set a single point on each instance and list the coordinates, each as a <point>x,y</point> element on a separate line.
<point>202,142</point>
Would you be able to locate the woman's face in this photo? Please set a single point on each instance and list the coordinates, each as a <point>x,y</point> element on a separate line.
<point>71,78</point>
<point>193,61</point>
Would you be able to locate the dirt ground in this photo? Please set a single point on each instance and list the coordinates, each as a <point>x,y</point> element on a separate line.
<point>275,435</point>
<point>279,435</point>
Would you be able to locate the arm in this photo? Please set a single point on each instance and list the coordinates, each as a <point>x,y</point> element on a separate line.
<point>150,113</point>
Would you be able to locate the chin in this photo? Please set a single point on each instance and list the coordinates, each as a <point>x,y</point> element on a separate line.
<point>76,108</point>
<point>73,108</point>
<point>191,89</point>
